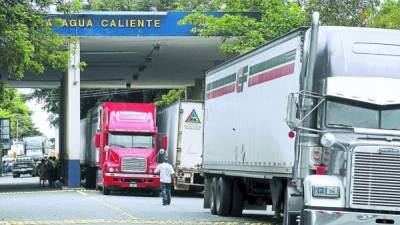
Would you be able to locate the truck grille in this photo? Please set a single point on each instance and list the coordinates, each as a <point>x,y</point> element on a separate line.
<point>133,164</point>
<point>376,180</point>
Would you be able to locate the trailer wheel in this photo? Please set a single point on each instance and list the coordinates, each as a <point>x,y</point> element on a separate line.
<point>237,199</point>
<point>15,175</point>
<point>207,192</point>
<point>223,199</point>
<point>106,190</point>
<point>213,195</point>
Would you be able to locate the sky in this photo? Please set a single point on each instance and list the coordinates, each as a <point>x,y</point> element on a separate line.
<point>39,116</point>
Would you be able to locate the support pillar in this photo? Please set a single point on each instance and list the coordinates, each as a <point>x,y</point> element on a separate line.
<point>61,132</point>
<point>72,117</point>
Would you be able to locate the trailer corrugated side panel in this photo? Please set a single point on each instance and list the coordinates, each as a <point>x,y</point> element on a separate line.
<point>245,133</point>
<point>83,140</point>
<point>93,126</point>
<point>191,127</point>
<point>167,123</point>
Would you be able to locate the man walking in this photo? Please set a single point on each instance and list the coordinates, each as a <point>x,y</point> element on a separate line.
<point>166,171</point>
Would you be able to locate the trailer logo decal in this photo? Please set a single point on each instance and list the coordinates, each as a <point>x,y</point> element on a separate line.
<point>193,121</point>
<point>270,69</point>
<point>279,66</point>
<point>241,78</point>
<point>193,117</point>
<point>222,86</point>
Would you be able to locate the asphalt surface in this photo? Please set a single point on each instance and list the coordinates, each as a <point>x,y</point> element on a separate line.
<point>23,202</point>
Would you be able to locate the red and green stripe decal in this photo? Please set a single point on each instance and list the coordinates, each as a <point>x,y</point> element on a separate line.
<point>270,69</point>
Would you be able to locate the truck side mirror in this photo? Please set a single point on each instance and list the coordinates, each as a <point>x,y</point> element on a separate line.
<point>291,111</point>
<point>164,142</point>
<point>97,140</point>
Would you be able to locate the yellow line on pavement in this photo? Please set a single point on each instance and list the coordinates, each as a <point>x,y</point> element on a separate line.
<point>128,221</point>
<point>111,206</point>
<point>89,190</point>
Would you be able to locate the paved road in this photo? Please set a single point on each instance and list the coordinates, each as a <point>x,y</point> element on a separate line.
<point>23,202</point>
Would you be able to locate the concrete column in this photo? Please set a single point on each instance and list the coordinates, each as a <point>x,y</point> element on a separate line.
<point>61,132</point>
<point>72,117</point>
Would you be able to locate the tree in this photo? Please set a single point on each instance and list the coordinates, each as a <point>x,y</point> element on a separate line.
<point>169,98</point>
<point>387,17</point>
<point>27,42</point>
<point>146,5</point>
<point>340,12</point>
<point>240,32</point>
<point>12,105</point>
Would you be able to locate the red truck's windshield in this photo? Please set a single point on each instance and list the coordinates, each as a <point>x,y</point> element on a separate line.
<point>124,140</point>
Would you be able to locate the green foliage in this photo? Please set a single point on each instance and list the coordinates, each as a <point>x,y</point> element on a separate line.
<point>27,42</point>
<point>241,33</point>
<point>387,17</point>
<point>340,12</point>
<point>147,5</point>
<point>169,98</point>
<point>12,105</point>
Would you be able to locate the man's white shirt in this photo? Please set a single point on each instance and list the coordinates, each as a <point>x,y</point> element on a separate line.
<point>165,170</point>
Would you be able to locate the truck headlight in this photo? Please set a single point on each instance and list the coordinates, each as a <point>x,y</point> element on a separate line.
<point>111,169</point>
<point>327,140</point>
<point>325,192</point>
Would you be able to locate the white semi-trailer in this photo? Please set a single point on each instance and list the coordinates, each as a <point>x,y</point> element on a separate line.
<point>35,147</point>
<point>182,122</point>
<point>309,123</point>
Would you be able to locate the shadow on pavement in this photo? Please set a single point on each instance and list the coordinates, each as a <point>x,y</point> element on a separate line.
<point>147,193</point>
<point>21,184</point>
<point>187,194</point>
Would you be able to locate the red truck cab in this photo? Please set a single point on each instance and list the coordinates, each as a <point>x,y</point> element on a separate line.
<point>128,147</point>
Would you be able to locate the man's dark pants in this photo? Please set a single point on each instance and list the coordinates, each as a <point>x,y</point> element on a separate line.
<point>166,193</point>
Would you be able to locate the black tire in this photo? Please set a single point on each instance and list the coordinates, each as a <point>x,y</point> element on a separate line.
<point>223,199</point>
<point>206,193</point>
<point>15,175</point>
<point>213,195</point>
<point>91,177</point>
<point>237,199</point>
<point>106,190</point>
